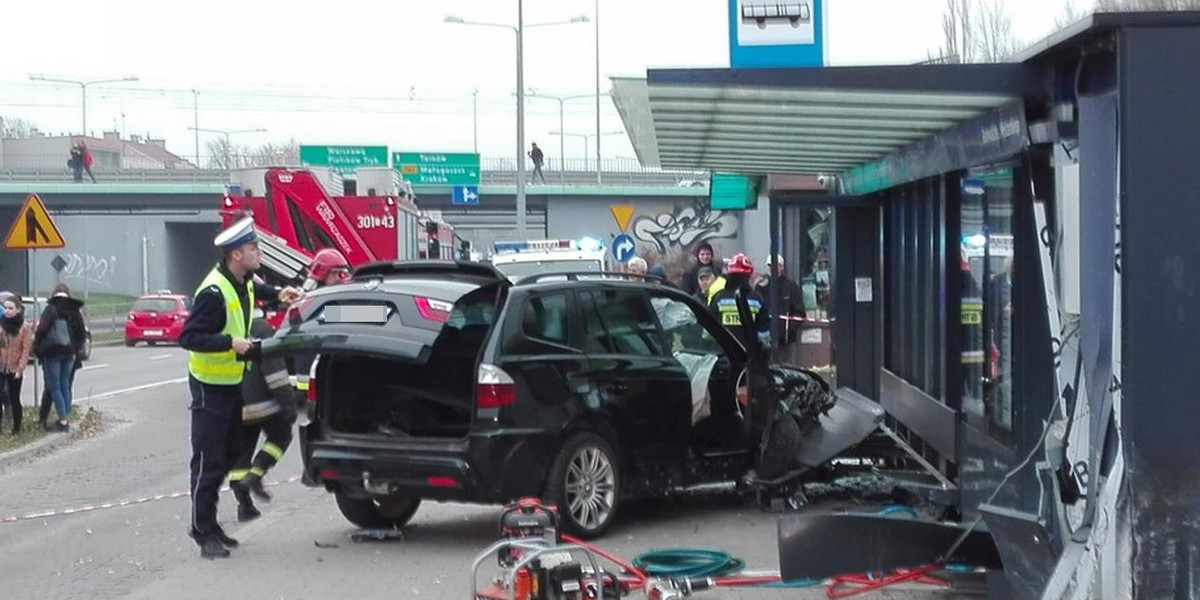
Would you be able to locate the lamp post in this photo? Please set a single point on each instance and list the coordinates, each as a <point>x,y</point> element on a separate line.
<point>585,137</point>
<point>562,100</point>
<point>83,86</point>
<point>226,133</point>
<point>596,18</point>
<point>519,30</point>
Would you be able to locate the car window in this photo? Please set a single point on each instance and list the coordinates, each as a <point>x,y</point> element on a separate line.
<point>545,318</point>
<point>155,305</point>
<point>187,303</point>
<point>619,322</point>
<point>684,330</point>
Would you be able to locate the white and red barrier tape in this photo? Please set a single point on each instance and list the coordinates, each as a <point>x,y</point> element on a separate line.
<point>84,509</point>
<point>805,320</point>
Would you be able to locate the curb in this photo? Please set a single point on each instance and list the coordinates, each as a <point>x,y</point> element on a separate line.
<point>46,444</point>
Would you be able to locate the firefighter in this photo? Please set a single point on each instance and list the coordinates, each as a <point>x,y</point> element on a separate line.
<point>269,408</point>
<point>724,304</point>
<point>216,338</point>
<point>328,267</point>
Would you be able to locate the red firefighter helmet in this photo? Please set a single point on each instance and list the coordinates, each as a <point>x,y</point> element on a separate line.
<point>329,261</point>
<point>739,265</point>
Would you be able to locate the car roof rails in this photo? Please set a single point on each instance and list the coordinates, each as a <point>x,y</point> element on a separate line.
<point>608,276</point>
<point>426,267</point>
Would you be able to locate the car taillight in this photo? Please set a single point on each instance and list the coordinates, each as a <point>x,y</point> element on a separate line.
<point>494,388</point>
<point>442,481</point>
<point>433,310</point>
<point>311,393</point>
<point>294,311</point>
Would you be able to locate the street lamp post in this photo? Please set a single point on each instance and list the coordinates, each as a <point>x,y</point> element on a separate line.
<point>585,137</point>
<point>519,30</point>
<point>596,18</point>
<point>83,86</point>
<point>562,100</point>
<point>227,134</point>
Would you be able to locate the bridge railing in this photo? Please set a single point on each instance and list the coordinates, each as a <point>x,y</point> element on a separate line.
<point>495,171</point>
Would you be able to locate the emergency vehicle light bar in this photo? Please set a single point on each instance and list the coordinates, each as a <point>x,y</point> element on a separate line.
<point>586,244</point>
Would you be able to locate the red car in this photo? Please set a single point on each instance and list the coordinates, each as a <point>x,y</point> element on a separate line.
<point>157,318</point>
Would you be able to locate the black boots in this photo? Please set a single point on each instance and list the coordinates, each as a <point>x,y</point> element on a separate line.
<point>212,546</point>
<point>254,484</point>
<point>246,510</point>
<point>225,540</point>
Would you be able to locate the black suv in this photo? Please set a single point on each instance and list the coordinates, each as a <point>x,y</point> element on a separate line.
<point>445,381</point>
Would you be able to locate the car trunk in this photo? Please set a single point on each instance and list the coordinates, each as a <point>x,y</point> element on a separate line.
<point>156,314</point>
<point>409,374</point>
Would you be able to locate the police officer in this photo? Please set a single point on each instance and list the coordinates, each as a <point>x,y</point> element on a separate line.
<point>216,337</point>
<point>724,305</point>
<point>269,408</point>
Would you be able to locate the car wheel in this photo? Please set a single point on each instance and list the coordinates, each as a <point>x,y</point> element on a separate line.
<point>585,485</point>
<point>382,512</point>
<point>151,343</point>
<point>130,343</point>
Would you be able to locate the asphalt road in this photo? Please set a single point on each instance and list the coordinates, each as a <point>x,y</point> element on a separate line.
<point>300,548</point>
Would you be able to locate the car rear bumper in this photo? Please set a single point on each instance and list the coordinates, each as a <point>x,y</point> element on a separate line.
<point>157,334</point>
<point>483,467</point>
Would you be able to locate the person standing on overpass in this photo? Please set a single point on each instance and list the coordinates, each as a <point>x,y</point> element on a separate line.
<point>538,160</point>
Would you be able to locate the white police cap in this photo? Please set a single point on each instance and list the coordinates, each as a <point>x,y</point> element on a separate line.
<point>235,235</point>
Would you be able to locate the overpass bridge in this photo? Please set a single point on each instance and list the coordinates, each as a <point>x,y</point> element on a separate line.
<point>148,230</point>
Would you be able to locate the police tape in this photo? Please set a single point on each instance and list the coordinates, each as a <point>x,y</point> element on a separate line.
<point>109,505</point>
<point>805,320</point>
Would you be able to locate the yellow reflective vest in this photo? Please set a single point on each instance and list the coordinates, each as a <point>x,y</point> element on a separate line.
<point>223,368</point>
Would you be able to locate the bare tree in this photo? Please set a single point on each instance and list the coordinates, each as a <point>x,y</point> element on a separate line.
<point>287,153</point>
<point>1145,5</point>
<point>994,32</point>
<point>1071,13</point>
<point>16,127</point>
<point>976,31</point>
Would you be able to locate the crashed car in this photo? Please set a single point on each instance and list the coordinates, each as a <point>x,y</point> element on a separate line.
<point>446,381</point>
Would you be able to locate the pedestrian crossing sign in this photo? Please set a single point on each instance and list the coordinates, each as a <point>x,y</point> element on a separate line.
<point>33,228</point>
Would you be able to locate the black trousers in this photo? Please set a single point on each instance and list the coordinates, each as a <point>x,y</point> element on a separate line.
<point>216,443</point>
<point>10,386</point>
<point>278,429</point>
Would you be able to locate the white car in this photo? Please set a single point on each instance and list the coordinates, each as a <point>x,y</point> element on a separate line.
<point>518,260</point>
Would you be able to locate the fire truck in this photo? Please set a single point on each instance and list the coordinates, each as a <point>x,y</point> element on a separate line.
<point>296,217</point>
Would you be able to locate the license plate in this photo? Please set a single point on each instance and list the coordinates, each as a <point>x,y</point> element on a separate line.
<point>362,313</point>
<point>154,332</point>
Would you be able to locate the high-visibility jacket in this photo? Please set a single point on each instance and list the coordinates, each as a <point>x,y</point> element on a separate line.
<point>224,368</point>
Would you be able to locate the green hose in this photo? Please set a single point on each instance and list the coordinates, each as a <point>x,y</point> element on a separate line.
<point>688,562</point>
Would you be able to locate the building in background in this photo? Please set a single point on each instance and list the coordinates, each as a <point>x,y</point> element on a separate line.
<point>110,153</point>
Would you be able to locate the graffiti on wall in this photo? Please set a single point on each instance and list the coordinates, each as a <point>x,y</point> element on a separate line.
<point>94,269</point>
<point>683,226</point>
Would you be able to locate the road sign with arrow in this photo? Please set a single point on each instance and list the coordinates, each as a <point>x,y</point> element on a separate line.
<point>624,248</point>
<point>33,228</point>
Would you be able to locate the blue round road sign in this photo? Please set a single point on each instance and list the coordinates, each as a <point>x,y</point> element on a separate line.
<point>624,248</point>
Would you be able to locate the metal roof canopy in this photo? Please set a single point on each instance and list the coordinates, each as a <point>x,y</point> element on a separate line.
<point>806,121</point>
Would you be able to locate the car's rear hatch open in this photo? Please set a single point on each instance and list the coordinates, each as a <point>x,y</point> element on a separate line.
<point>399,348</point>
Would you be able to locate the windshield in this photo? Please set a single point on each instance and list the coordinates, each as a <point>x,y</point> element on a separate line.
<point>155,305</point>
<point>516,271</point>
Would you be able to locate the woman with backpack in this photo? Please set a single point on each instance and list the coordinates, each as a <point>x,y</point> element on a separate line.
<point>16,340</point>
<point>58,339</point>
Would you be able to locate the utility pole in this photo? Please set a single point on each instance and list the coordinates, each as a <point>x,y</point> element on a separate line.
<point>596,17</point>
<point>196,121</point>
<point>475,119</point>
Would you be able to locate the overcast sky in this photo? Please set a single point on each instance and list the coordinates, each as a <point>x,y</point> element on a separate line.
<point>392,72</point>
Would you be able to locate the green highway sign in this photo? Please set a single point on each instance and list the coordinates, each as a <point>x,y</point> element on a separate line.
<point>344,159</point>
<point>437,168</point>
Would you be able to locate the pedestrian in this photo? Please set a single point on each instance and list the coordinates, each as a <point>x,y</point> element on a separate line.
<point>636,267</point>
<point>704,258</point>
<point>538,160</point>
<point>48,400</point>
<point>86,155</point>
<point>216,338</point>
<point>704,281</point>
<point>791,298</point>
<point>75,163</point>
<point>725,306</point>
<point>658,275</point>
<point>16,342</point>
<point>269,408</point>
<point>57,342</point>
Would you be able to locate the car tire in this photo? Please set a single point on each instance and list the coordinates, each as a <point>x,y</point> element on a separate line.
<point>151,343</point>
<point>584,483</point>
<point>386,512</point>
<point>130,343</point>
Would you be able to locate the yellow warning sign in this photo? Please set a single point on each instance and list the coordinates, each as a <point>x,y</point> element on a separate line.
<point>622,213</point>
<point>33,229</point>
